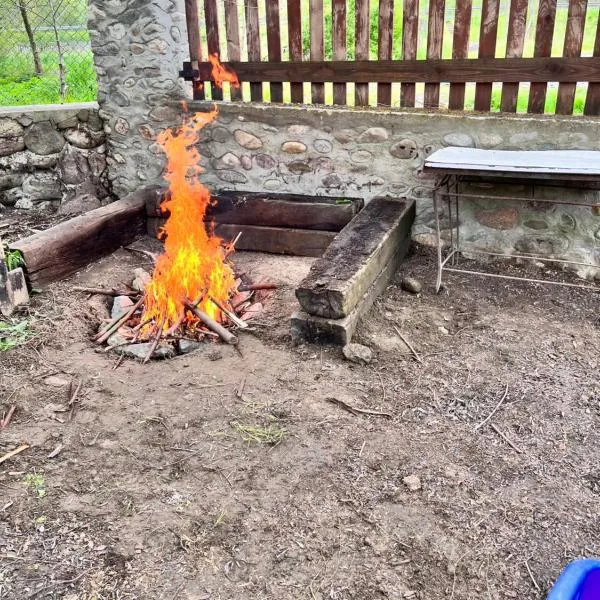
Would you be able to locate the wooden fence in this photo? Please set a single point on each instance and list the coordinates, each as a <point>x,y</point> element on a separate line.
<point>400,52</point>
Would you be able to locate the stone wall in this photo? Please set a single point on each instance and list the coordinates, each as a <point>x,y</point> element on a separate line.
<point>139,48</point>
<point>52,157</point>
<point>361,152</point>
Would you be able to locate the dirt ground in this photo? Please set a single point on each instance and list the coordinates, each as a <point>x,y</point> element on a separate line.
<point>156,494</point>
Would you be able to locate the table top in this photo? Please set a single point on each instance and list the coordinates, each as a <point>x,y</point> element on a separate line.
<point>584,164</point>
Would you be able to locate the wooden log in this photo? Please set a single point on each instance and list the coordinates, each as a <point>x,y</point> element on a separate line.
<point>274,240</point>
<point>217,328</point>
<point>337,282</point>
<point>275,210</point>
<point>67,247</point>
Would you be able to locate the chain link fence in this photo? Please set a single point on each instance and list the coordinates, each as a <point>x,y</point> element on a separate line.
<point>45,53</point>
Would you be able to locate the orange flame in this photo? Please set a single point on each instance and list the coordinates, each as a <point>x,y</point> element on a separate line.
<point>194,261</point>
<point>220,74</point>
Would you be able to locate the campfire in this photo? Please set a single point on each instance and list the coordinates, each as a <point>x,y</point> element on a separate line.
<point>194,292</point>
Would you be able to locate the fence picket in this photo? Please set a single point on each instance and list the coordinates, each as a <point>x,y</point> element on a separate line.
<point>338,36</point>
<point>274,44</point>
<point>410,32</point>
<point>316,46</point>
<point>572,48</point>
<point>435,36</point>
<point>487,49</point>
<point>592,101</point>
<point>460,49</point>
<point>543,47</point>
<point>384,50</point>
<point>212,38</point>
<point>253,37</point>
<point>295,44</point>
<point>514,49</point>
<point>361,50</point>
<point>193,31</point>
<point>232,28</point>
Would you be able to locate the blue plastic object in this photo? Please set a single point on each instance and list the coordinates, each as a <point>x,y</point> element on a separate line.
<point>579,581</point>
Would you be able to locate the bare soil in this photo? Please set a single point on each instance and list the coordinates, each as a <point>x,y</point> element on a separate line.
<point>155,493</point>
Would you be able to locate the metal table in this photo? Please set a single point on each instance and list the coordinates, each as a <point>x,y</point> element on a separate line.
<point>451,166</point>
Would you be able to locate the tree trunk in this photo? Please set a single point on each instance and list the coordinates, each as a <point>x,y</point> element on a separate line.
<point>34,51</point>
<point>61,57</point>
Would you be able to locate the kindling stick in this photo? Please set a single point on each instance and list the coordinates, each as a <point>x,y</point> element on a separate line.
<point>116,323</point>
<point>233,318</point>
<point>227,336</point>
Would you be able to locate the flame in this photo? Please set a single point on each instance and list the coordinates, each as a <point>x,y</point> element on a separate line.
<point>220,74</point>
<point>194,264</point>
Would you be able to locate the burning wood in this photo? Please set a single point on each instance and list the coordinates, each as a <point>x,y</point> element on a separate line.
<point>196,263</point>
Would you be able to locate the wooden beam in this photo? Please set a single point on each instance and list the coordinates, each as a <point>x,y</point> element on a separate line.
<point>274,240</point>
<point>429,71</point>
<point>274,210</point>
<point>69,246</point>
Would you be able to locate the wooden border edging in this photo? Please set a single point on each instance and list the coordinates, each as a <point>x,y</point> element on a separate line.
<point>67,247</point>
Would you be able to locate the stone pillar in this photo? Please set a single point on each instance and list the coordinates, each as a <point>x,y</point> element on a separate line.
<point>139,48</point>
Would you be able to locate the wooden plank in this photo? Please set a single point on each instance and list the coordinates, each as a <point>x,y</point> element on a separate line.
<point>592,101</point>
<point>514,49</point>
<point>460,49</point>
<point>212,38</point>
<point>569,162</point>
<point>543,47</point>
<point>460,70</point>
<point>572,48</point>
<point>193,32</point>
<point>410,34</point>
<point>336,283</point>
<point>316,46</point>
<point>487,49</point>
<point>274,240</point>
<point>253,37</point>
<point>69,246</point>
<point>339,45</point>
<point>274,210</point>
<point>361,48</point>
<point>232,29</point>
<point>274,44</point>
<point>295,45</point>
<point>435,36</point>
<point>384,50</point>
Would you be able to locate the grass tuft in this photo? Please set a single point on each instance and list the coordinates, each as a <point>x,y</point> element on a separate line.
<point>13,335</point>
<point>272,434</point>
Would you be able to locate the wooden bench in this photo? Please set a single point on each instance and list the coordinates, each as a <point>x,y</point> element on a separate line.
<point>452,166</point>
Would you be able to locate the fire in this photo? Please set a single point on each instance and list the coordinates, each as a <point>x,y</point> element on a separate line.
<point>220,74</point>
<point>194,264</point>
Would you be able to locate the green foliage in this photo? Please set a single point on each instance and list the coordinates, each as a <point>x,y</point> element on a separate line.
<point>13,335</point>
<point>37,483</point>
<point>14,259</point>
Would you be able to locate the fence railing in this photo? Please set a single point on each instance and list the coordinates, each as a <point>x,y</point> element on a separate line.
<point>487,55</point>
<point>45,52</point>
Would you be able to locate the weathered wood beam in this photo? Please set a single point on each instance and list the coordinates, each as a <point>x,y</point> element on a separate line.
<point>67,247</point>
<point>429,71</point>
<point>275,210</point>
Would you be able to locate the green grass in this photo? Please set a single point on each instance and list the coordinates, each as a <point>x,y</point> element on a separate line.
<point>19,85</point>
<point>272,434</point>
<point>14,334</point>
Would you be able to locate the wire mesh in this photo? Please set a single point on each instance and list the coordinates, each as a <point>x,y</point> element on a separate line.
<point>45,53</point>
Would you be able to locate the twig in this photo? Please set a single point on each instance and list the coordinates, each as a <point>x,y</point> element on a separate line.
<point>535,583</point>
<point>409,345</point>
<point>74,394</point>
<point>494,411</point>
<point>239,392</point>
<point>6,420</point>
<point>155,341</point>
<point>151,255</point>
<point>257,286</point>
<point>233,318</point>
<point>107,292</point>
<point>13,453</point>
<point>117,322</point>
<point>511,444</point>
<point>227,336</point>
<point>358,411</point>
<point>56,451</point>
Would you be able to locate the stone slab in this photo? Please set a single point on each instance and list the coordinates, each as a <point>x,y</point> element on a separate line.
<point>311,328</point>
<point>338,281</point>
